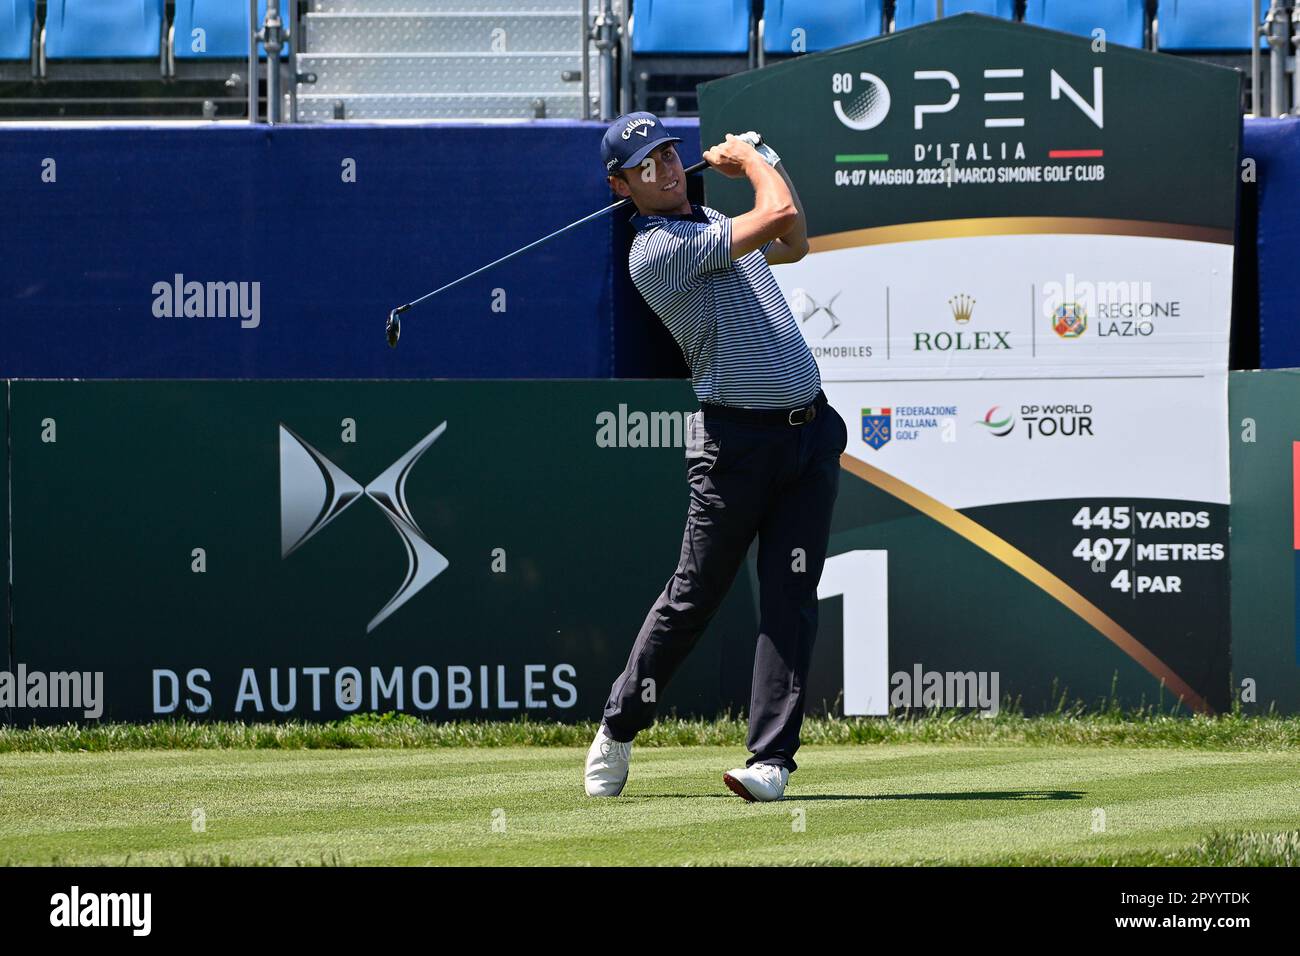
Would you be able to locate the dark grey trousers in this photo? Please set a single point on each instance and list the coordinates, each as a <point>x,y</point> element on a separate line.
<point>777,482</point>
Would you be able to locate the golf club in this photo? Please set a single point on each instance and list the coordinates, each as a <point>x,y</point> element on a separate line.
<point>394,326</point>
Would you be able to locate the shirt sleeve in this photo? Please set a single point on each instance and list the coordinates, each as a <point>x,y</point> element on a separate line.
<point>676,254</point>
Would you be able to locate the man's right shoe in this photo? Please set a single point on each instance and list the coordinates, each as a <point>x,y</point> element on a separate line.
<point>607,760</point>
<point>761,783</point>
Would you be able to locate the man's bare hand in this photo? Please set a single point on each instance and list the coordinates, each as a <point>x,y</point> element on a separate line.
<point>730,156</point>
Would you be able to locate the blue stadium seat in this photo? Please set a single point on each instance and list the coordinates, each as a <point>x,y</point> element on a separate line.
<point>826,23</point>
<point>1206,24</point>
<point>225,23</point>
<point>691,26</point>
<point>1123,20</point>
<point>103,28</point>
<point>16,29</point>
<point>908,13</point>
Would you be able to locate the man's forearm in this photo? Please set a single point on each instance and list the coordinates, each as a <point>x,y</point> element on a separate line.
<point>772,194</point>
<point>774,210</point>
<point>797,237</point>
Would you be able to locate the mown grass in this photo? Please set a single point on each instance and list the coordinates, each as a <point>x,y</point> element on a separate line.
<point>909,804</point>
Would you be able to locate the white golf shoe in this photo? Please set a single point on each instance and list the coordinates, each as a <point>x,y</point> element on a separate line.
<point>762,782</point>
<point>607,761</point>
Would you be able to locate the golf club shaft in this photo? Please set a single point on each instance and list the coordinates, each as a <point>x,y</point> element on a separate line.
<point>534,244</point>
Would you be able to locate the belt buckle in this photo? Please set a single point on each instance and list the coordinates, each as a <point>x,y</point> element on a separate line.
<point>807,415</point>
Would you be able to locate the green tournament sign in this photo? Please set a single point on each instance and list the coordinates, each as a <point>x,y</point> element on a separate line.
<point>973,117</point>
<point>1019,292</point>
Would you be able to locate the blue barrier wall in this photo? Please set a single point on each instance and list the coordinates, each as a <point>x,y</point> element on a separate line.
<point>1274,144</point>
<point>128,208</point>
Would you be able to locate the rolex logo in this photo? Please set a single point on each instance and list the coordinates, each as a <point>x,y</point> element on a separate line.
<point>962,308</point>
<point>314,491</point>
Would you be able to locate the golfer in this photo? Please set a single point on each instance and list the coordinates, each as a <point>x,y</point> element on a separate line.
<point>763,451</point>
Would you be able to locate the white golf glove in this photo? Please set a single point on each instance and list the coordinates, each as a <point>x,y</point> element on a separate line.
<point>767,152</point>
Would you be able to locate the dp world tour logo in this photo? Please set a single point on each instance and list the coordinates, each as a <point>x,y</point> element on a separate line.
<point>998,422</point>
<point>314,491</point>
<point>875,426</point>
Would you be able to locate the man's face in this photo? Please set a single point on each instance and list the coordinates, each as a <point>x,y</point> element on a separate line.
<point>658,185</point>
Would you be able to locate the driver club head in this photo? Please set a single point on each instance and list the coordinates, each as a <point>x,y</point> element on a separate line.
<point>393,328</point>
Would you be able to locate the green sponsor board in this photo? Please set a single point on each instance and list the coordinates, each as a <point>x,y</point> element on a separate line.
<point>1020,284</point>
<point>973,116</point>
<point>265,550</point>
<point>1265,435</point>
<point>151,541</point>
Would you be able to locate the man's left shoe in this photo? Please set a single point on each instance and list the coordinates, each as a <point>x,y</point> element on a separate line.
<point>605,774</point>
<point>762,782</point>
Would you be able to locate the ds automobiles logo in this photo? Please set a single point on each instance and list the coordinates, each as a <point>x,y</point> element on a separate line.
<point>314,491</point>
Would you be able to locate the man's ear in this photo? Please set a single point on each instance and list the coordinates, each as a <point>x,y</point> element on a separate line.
<point>619,185</point>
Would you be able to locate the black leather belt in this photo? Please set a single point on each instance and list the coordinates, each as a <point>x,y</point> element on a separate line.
<point>765,416</point>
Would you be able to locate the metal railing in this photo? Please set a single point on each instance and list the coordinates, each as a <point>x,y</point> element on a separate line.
<point>1275,30</point>
<point>270,34</point>
<point>607,31</point>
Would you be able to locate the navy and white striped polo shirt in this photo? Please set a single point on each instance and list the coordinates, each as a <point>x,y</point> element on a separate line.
<point>729,318</point>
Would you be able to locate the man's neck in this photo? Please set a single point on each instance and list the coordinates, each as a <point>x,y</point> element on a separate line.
<point>685,209</point>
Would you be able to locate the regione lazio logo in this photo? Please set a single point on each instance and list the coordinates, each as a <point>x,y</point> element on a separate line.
<point>314,491</point>
<point>875,426</point>
<point>1069,320</point>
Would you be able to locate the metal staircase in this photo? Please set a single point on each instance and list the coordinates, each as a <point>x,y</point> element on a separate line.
<point>443,59</point>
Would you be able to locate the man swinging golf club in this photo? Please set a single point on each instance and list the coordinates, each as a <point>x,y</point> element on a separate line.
<point>762,453</point>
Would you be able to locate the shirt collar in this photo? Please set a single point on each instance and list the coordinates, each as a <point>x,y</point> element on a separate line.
<point>696,215</point>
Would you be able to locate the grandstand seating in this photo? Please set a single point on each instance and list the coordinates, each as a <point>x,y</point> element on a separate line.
<point>496,59</point>
<point>16,19</point>
<point>84,29</point>
<point>677,44</point>
<point>225,26</point>
<point>691,26</point>
<point>908,13</point>
<point>1123,20</point>
<point>825,24</point>
<point>1205,24</point>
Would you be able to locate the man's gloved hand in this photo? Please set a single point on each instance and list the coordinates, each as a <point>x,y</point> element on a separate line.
<point>767,152</point>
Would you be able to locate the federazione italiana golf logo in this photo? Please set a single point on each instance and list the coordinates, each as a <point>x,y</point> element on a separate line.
<point>876,426</point>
